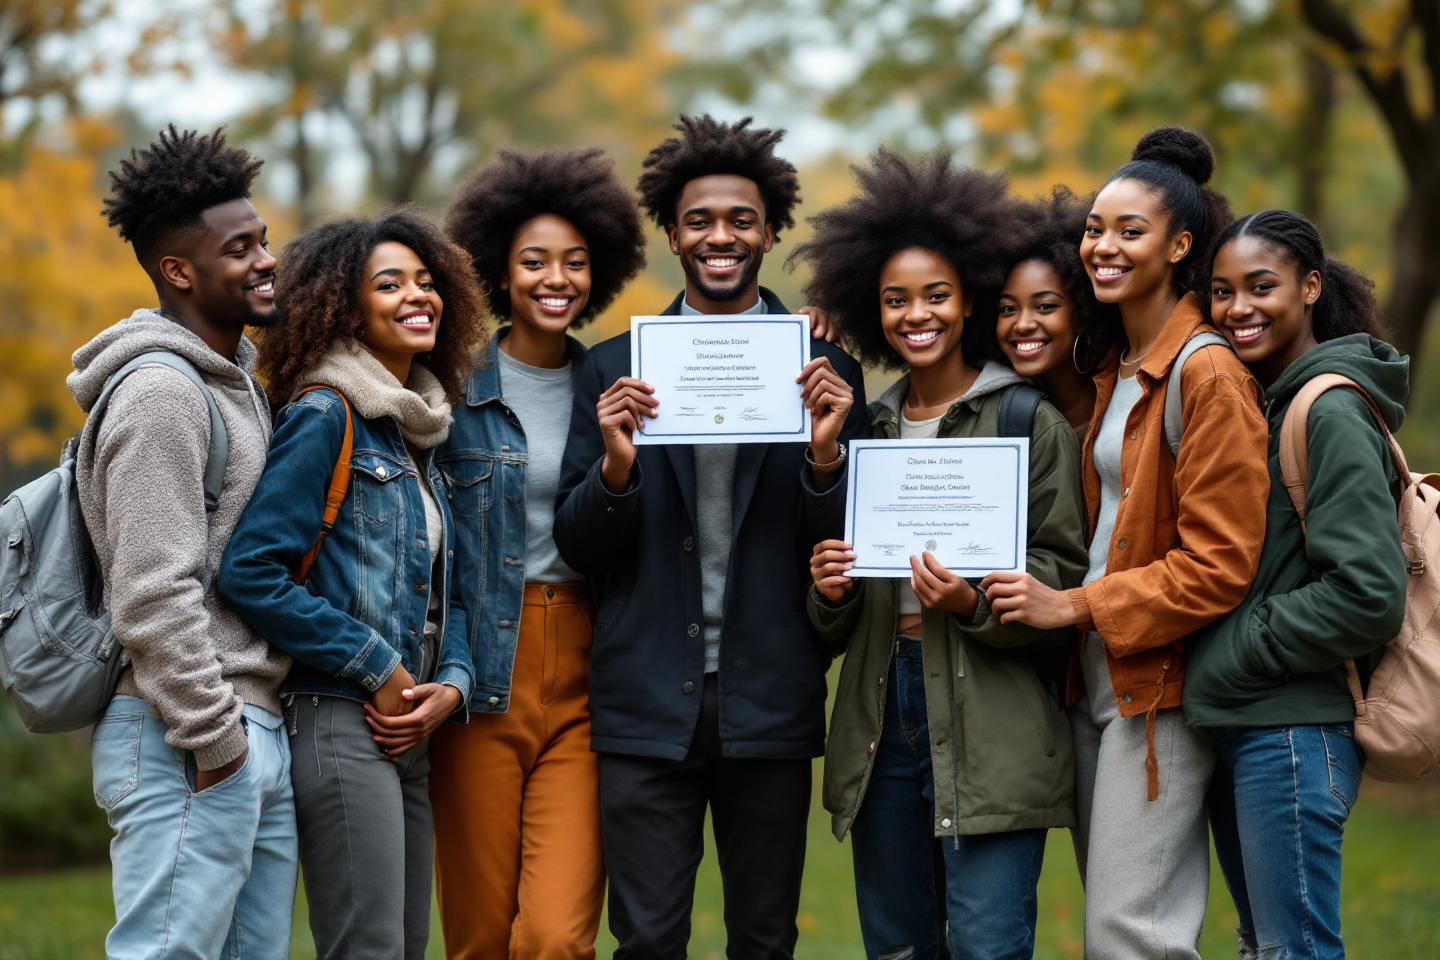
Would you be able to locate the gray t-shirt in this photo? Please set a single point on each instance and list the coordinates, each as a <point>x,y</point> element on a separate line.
<point>541,398</point>
<point>715,518</point>
<point>1109,440</point>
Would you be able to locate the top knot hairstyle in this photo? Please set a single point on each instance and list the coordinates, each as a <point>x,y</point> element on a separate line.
<point>161,193</point>
<point>318,284</point>
<point>707,147</point>
<point>1346,303</point>
<point>1056,224</point>
<point>578,185</point>
<point>963,214</point>
<point>1176,164</point>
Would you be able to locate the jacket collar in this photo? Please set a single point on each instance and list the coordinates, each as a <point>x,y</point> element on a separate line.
<point>767,297</point>
<point>1185,320</point>
<point>994,376</point>
<point>484,384</point>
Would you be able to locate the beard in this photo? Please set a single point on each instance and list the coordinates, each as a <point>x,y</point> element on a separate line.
<point>722,294</point>
<point>251,317</point>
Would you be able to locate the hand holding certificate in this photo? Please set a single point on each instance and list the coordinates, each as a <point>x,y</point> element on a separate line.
<point>964,501</point>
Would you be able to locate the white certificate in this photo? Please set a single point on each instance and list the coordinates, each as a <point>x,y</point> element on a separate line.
<point>723,379</point>
<point>964,500</point>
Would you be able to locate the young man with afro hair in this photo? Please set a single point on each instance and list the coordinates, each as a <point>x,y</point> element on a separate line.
<point>192,765</point>
<point>708,685</point>
<point>555,236</point>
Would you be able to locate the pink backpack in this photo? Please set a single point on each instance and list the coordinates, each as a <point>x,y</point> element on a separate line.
<point>1398,725</point>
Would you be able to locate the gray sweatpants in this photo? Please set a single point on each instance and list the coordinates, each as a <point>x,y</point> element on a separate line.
<point>1145,863</point>
<point>366,845</point>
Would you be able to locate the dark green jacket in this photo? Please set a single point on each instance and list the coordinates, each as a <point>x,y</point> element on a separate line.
<point>999,738</point>
<point>1332,593</point>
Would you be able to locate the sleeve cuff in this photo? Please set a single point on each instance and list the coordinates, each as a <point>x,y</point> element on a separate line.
<point>231,745</point>
<point>457,677</point>
<point>374,663</point>
<point>632,486</point>
<point>982,611</point>
<point>1082,608</point>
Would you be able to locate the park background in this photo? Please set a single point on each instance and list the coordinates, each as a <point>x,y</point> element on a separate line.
<point>1323,106</point>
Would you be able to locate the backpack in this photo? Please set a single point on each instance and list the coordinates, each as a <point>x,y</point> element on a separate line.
<point>1174,428</point>
<point>1018,404</point>
<point>1397,726</point>
<point>58,660</point>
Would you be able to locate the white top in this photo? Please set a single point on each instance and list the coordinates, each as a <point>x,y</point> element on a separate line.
<point>434,540</point>
<point>914,430</point>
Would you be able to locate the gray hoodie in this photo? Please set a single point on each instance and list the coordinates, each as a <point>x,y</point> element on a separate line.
<point>140,476</point>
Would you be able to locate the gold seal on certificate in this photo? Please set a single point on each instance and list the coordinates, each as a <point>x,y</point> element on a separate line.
<point>723,379</point>
<point>963,500</point>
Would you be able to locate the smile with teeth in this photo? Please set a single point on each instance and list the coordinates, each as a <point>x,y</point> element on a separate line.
<point>416,320</point>
<point>1028,347</point>
<point>721,263</point>
<point>264,286</point>
<point>1248,332</point>
<point>555,303</point>
<point>1108,272</point>
<point>921,336</point>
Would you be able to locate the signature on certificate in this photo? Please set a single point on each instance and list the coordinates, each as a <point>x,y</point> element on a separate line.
<point>973,549</point>
<point>752,413</point>
<point>888,549</point>
<point>689,412</point>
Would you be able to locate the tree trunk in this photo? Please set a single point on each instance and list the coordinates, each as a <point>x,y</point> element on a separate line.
<point>1312,140</point>
<point>1416,283</point>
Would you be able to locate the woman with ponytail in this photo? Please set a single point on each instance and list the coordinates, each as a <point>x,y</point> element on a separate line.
<point>1268,682</point>
<point>1175,540</point>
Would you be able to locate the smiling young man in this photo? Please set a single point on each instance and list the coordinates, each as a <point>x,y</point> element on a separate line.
<point>191,762</point>
<point>707,684</point>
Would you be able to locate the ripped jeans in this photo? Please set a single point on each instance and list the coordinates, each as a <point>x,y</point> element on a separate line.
<point>920,897</point>
<point>1278,806</point>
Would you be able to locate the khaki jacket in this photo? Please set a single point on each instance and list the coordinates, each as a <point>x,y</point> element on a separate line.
<point>1187,537</point>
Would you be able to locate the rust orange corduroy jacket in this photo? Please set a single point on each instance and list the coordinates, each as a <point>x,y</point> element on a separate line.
<point>1187,537</point>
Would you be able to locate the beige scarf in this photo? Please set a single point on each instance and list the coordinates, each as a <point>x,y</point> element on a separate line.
<point>419,406</point>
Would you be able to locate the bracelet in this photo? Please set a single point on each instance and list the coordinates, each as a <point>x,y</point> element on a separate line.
<point>839,459</point>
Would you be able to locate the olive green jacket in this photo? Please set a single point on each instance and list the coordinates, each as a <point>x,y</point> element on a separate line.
<point>999,737</point>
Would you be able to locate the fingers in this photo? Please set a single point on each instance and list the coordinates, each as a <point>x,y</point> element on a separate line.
<point>923,575</point>
<point>1002,576</point>
<point>820,326</point>
<point>832,545</point>
<point>628,383</point>
<point>416,719</point>
<point>933,565</point>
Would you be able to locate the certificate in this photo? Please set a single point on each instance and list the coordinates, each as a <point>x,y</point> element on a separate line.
<point>964,500</point>
<point>723,379</point>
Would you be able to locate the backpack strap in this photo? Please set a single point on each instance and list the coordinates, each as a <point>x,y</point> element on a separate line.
<point>218,455</point>
<point>339,483</point>
<point>1174,426</point>
<point>1018,404</point>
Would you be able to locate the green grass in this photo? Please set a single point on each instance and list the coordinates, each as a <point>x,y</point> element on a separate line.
<point>1391,902</point>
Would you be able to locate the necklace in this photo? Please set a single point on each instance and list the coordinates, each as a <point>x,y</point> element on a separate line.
<point>1128,363</point>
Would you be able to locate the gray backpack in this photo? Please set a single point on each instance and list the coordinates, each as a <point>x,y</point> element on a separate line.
<point>1174,428</point>
<point>58,660</point>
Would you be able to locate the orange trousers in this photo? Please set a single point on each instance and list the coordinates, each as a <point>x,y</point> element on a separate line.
<point>516,800</point>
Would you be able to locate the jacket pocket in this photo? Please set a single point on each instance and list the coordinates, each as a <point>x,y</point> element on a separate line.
<point>1037,703</point>
<point>377,496</point>
<point>115,758</point>
<point>468,482</point>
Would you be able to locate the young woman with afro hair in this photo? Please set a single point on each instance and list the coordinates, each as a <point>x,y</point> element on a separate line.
<point>555,237</point>
<point>1269,683</point>
<point>1175,539</point>
<point>1050,327</point>
<point>382,319</point>
<point>947,841</point>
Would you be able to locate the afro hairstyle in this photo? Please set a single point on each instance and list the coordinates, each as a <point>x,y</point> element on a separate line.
<point>1056,224</point>
<point>161,193</point>
<point>963,214</point>
<point>707,147</point>
<point>578,185</point>
<point>318,284</point>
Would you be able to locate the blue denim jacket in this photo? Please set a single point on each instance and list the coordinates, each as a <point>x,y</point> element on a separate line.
<point>483,462</point>
<point>362,611</point>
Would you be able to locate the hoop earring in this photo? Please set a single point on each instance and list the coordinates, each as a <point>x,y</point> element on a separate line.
<point>1075,356</point>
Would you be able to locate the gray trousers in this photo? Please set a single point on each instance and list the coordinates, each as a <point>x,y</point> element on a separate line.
<point>1145,863</point>
<point>366,844</point>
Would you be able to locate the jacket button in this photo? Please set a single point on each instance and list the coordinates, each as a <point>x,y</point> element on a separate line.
<point>419,588</point>
<point>1134,434</point>
<point>688,687</point>
<point>693,630</point>
<point>945,822</point>
<point>1166,664</point>
<point>494,701</point>
<point>1125,492</point>
<point>1123,543</point>
<point>882,681</point>
<point>1126,697</point>
<point>550,593</point>
<point>381,472</point>
<point>689,543</point>
<point>872,746</point>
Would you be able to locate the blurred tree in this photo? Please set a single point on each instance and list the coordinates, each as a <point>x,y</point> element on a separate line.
<point>426,88</point>
<point>31,69</point>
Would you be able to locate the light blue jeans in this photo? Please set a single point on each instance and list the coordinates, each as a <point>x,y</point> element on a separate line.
<point>196,875</point>
<point>1278,807</point>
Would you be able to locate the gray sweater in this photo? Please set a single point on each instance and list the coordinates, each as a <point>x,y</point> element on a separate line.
<point>140,475</point>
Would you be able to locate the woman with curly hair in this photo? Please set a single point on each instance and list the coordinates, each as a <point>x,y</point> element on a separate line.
<point>1176,501</point>
<point>947,839</point>
<point>555,236</point>
<point>382,318</point>
<point>1269,682</point>
<point>1050,327</point>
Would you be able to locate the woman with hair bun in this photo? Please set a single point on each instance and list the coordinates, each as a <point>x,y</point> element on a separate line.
<point>1268,682</point>
<point>1175,540</point>
<point>556,237</point>
<point>949,753</point>
<point>1050,326</point>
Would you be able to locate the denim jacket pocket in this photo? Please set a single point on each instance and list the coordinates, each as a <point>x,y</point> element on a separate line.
<point>377,496</point>
<point>468,482</point>
<point>115,757</point>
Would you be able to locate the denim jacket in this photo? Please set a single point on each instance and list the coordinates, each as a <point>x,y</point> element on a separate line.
<point>362,610</point>
<point>483,462</point>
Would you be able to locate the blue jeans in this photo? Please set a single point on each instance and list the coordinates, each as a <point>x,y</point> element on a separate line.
<point>922,896</point>
<point>196,875</point>
<point>1278,806</point>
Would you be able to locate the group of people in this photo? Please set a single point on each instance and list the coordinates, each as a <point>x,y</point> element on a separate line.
<point>446,619</point>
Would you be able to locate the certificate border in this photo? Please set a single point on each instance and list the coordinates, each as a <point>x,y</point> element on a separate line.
<point>859,448</point>
<point>772,436</point>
